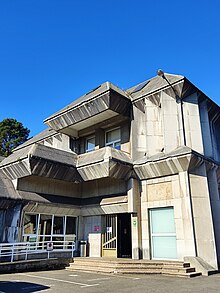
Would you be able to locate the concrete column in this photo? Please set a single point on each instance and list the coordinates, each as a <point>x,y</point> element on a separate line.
<point>215,206</point>
<point>135,210</point>
<point>202,216</point>
<point>186,242</point>
<point>192,125</point>
<point>206,133</point>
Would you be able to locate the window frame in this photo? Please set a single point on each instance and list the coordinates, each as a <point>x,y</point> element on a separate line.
<point>52,235</point>
<point>86,140</point>
<point>113,142</point>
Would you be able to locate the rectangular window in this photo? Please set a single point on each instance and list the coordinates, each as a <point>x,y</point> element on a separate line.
<point>58,225</point>
<point>70,225</point>
<point>30,224</point>
<point>113,138</point>
<point>45,225</point>
<point>43,228</point>
<point>90,144</point>
<point>163,233</point>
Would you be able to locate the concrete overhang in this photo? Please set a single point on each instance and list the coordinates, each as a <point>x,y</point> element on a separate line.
<point>180,160</point>
<point>151,89</point>
<point>105,162</point>
<point>103,103</point>
<point>43,161</point>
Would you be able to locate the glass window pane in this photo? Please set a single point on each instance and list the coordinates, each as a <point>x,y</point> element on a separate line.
<point>70,225</point>
<point>45,224</point>
<point>162,220</point>
<point>113,135</point>
<point>90,144</point>
<point>117,146</point>
<point>58,225</point>
<point>30,224</point>
<point>164,247</point>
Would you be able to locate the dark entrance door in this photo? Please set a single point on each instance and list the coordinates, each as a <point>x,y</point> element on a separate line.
<point>124,235</point>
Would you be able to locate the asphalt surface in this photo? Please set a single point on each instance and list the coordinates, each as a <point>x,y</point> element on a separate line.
<point>63,281</point>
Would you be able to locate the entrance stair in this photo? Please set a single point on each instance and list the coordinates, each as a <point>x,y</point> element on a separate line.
<point>132,266</point>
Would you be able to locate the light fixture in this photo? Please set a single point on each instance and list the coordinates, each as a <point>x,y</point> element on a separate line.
<point>160,73</point>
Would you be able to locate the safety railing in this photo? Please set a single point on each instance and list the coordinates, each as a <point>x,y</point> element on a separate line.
<point>31,250</point>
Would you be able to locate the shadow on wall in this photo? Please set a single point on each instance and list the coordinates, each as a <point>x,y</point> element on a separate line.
<point>12,286</point>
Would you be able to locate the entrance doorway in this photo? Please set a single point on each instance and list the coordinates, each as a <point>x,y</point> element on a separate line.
<point>116,237</point>
<point>124,236</point>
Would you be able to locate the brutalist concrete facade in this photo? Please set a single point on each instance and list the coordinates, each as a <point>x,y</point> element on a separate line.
<point>138,170</point>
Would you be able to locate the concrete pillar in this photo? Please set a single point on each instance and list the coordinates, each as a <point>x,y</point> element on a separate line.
<point>206,133</point>
<point>135,210</point>
<point>192,125</point>
<point>202,216</point>
<point>215,206</point>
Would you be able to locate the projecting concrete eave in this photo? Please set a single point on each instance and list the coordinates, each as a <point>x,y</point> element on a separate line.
<point>105,162</point>
<point>180,160</point>
<point>104,102</point>
<point>43,161</point>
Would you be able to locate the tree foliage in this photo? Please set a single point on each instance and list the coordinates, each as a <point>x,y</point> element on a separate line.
<point>12,134</point>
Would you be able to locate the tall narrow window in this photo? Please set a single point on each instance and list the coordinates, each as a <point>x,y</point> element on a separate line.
<point>90,144</point>
<point>113,138</point>
<point>58,225</point>
<point>163,233</point>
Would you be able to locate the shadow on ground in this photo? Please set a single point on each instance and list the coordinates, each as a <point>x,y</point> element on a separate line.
<point>17,287</point>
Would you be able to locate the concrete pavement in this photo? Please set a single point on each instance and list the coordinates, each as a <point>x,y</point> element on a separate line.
<point>62,281</point>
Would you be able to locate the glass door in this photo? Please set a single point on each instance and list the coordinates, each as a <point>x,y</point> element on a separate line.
<point>163,233</point>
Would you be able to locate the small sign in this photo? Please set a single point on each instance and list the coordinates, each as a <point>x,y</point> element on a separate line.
<point>109,229</point>
<point>49,246</point>
<point>96,228</point>
<point>135,222</point>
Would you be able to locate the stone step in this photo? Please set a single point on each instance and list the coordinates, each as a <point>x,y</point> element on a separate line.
<point>174,268</point>
<point>133,267</point>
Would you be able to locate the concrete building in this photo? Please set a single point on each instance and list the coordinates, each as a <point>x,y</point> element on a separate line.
<point>135,173</point>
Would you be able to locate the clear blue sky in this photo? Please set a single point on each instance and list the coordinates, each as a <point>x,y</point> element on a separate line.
<point>53,51</point>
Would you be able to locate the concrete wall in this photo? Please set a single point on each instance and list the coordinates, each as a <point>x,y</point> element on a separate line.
<point>59,141</point>
<point>215,136</point>
<point>154,128</point>
<point>205,128</point>
<point>215,205</point>
<point>192,123</point>
<point>103,186</point>
<point>170,191</point>
<point>48,186</point>
<point>202,216</point>
<point>138,134</point>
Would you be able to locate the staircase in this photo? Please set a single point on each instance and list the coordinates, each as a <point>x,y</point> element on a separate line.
<point>132,266</point>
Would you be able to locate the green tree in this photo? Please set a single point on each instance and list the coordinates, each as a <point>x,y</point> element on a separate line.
<point>12,134</point>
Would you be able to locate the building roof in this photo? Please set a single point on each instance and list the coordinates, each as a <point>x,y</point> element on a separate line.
<point>152,85</point>
<point>101,89</point>
<point>40,136</point>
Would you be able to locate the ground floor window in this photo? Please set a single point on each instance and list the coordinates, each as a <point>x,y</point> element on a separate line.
<point>163,233</point>
<point>44,228</point>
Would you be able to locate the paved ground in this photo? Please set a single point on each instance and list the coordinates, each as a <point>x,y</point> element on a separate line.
<point>64,281</point>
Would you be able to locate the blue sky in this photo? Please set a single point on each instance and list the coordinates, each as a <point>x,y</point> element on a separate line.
<point>53,51</point>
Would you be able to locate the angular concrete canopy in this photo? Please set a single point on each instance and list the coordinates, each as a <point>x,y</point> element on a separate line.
<point>105,162</point>
<point>182,159</point>
<point>102,103</point>
<point>44,161</point>
<point>41,160</point>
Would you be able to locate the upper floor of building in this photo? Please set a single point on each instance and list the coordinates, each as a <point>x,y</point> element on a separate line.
<point>154,119</point>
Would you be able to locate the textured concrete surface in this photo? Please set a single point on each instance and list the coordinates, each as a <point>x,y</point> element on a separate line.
<point>64,281</point>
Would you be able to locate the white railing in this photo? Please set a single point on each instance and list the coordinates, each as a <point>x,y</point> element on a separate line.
<point>22,250</point>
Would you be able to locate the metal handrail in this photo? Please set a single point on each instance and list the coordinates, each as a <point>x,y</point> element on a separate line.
<point>14,250</point>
